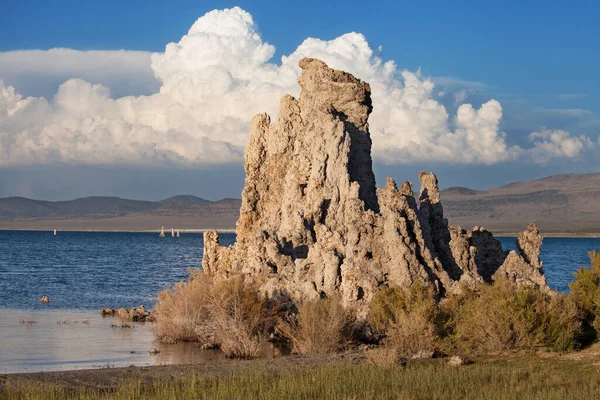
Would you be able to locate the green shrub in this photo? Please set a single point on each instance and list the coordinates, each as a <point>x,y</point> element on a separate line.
<point>585,290</point>
<point>408,318</point>
<point>504,316</point>
<point>320,326</point>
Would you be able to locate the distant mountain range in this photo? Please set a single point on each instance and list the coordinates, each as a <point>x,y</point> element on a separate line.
<point>114,213</point>
<point>559,204</point>
<point>567,203</point>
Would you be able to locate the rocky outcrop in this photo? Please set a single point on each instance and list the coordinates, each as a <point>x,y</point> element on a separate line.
<point>136,314</point>
<point>525,268</point>
<point>313,224</point>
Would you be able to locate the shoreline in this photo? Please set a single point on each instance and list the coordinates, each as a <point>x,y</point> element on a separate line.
<point>349,374</point>
<point>192,230</point>
<point>232,230</point>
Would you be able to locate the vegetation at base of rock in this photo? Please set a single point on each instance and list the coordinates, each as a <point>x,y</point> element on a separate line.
<point>526,377</point>
<point>230,314</point>
<point>409,318</point>
<point>494,318</point>
<point>585,290</point>
<point>320,326</point>
<point>503,316</point>
<point>409,322</point>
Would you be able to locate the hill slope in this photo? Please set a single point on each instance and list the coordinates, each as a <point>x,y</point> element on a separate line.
<point>567,203</point>
<point>558,204</point>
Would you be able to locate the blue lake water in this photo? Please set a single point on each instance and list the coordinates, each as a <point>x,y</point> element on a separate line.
<point>92,270</point>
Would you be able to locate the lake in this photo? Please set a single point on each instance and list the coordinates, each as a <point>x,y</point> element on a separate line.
<point>92,270</point>
<point>83,272</point>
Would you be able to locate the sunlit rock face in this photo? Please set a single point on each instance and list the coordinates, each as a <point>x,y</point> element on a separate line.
<point>313,224</point>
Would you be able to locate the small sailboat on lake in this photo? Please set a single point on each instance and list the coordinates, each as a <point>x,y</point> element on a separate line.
<point>172,232</point>
<point>55,232</point>
<point>162,232</point>
<point>177,233</point>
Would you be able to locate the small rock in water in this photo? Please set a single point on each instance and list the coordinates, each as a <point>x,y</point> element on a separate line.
<point>456,361</point>
<point>138,314</point>
<point>154,351</point>
<point>45,299</point>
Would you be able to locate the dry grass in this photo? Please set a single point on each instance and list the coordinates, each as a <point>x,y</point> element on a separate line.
<point>240,320</point>
<point>384,357</point>
<point>320,326</point>
<point>225,313</point>
<point>183,308</point>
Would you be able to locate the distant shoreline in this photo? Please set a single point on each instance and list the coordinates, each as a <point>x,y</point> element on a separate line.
<point>554,235</point>
<point>167,230</point>
<point>232,230</point>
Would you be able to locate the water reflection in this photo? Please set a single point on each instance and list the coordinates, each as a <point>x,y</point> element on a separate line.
<point>64,340</point>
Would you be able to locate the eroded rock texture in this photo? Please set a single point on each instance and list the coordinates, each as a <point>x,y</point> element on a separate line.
<point>312,222</point>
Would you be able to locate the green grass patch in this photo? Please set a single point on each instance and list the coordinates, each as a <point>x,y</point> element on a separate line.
<point>528,377</point>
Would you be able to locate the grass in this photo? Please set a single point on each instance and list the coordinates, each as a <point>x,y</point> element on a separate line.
<point>525,377</point>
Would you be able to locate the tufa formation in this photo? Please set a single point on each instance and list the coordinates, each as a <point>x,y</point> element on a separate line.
<point>313,224</point>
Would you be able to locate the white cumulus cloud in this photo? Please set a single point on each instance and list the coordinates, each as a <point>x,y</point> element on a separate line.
<point>549,144</point>
<point>212,82</point>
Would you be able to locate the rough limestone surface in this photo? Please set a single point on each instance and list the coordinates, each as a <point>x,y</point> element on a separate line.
<point>313,224</point>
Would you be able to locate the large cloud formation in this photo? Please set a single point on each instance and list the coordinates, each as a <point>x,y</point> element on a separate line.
<point>217,77</point>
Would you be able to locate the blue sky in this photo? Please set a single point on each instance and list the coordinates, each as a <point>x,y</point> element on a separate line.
<point>538,59</point>
<point>534,50</point>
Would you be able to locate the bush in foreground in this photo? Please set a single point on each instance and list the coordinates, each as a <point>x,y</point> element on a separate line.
<point>409,319</point>
<point>320,326</point>
<point>585,290</point>
<point>503,316</point>
<point>226,313</point>
<point>181,309</point>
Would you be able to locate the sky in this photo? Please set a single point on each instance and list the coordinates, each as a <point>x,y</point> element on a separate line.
<point>148,99</point>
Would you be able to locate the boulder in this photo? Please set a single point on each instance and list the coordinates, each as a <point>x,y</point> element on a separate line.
<point>456,361</point>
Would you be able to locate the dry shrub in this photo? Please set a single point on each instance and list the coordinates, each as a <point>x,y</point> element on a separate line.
<point>184,307</point>
<point>320,326</point>
<point>226,313</point>
<point>384,357</point>
<point>409,318</point>
<point>585,290</point>
<point>504,316</point>
<point>241,320</point>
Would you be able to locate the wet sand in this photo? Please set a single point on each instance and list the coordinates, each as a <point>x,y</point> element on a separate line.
<point>58,340</point>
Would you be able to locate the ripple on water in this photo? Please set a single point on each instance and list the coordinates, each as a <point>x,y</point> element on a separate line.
<point>92,270</point>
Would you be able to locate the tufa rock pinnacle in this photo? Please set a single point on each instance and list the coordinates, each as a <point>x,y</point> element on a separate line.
<point>312,223</point>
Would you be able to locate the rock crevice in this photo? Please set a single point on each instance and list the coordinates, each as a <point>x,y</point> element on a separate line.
<point>312,222</point>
